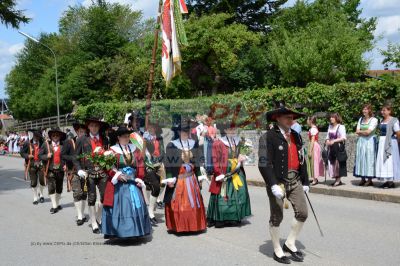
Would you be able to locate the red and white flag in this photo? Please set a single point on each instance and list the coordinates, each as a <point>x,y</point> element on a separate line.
<point>173,35</point>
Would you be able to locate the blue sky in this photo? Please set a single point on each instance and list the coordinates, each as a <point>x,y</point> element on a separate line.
<point>45,15</point>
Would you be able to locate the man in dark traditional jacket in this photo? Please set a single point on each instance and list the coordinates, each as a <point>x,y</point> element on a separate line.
<point>282,165</point>
<point>96,177</point>
<point>50,154</point>
<point>74,182</point>
<point>30,152</point>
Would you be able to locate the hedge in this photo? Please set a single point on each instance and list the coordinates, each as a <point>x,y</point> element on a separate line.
<point>247,108</point>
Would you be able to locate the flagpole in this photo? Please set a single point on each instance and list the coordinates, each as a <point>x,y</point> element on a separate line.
<point>152,66</point>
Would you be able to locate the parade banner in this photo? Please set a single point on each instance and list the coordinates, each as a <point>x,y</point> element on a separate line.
<point>173,37</point>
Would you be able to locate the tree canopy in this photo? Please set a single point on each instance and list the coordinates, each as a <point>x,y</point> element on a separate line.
<point>104,53</point>
<point>10,16</point>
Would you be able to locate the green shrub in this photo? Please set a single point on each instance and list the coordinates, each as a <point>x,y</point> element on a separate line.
<point>246,108</point>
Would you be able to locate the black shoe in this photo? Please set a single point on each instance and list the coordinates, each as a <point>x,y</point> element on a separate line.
<point>153,221</point>
<point>80,222</point>
<point>384,185</point>
<point>53,210</point>
<point>210,223</point>
<point>284,259</point>
<point>362,183</point>
<point>296,256</point>
<point>219,224</point>
<point>59,208</point>
<point>35,202</point>
<point>84,219</point>
<point>96,231</point>
<point>41,200</point>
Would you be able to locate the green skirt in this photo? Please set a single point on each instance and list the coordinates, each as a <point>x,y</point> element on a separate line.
<point>234,206</point>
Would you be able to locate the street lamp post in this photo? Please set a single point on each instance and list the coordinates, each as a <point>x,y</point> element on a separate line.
<point>55,66</point>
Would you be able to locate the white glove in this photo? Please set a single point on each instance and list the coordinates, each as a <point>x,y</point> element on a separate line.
<point>277,191</point>
<point>169,181</point>
<point>114,180</point>
<point>140,181</point>
<point>203,170</point>
<point>201,178</point>
<point>82,174</point>
<point>219,178</point>
<point>306,189</point>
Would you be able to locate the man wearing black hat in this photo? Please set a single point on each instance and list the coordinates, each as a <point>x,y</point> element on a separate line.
<point>30,152</point>
<point>74,181</point>
<point>282,165</point>
<point>96,177</point>
<point>50,154</point>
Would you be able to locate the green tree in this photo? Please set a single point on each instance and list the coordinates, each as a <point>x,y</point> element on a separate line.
<point>321,41</point>
<point>219,55</point>
<point>392,55</point>
<point>11,16</point>
<point>253,13</point>
<point>103,53</point>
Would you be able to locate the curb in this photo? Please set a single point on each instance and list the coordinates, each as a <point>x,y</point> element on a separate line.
<point>376,196</point>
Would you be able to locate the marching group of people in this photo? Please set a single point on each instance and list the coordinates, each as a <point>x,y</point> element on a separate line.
<point>125,174</point>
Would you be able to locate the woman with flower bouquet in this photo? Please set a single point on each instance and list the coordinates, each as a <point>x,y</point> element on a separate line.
<point>125,212</point>
<point>229,200</point>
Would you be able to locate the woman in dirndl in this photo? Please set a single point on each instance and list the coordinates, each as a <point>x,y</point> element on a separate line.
<point>229,200</point>
<point>125,214</point>
<point>184,207</point>
<point>388,159</point>
<point>364,167</point>
<point>315,164</point>
<point>335,139</point>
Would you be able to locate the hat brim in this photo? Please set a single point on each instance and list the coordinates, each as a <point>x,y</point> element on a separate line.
<point>63,135</point>
<point>103,125</point>
<point>78,126</point>
<point>119,133</point>
<point>274,114</point>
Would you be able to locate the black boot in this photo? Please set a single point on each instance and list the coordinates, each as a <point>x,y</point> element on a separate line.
<point>153,221</point>
<point>35,202</point>
<point>283,260</point>
<point>296,256</point>
<point>53,210</point>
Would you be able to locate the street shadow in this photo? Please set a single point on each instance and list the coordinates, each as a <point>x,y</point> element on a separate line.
<point>7,182</point>
<point>160,218</point>
<point>185,234</point>
<point>128,242</point>
<point>268,249</point>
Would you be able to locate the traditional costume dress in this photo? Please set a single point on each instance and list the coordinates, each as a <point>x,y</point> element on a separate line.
<point>54,168</point>
<point>78,185</point>
<point>281,164</point>
<point>315,164</point>
<point>388,159</point>
<point>366,149</point>
<point>34,166</point>
<point>336,168</point>
<point>184,208</point>
<point>125,212</point>
<point>229,199</point>
<point>95,176</point>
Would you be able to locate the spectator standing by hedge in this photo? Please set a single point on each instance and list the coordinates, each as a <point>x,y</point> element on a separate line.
<point>366,147</point>
<point>335,140</point>
<point>315,163</point>
<point>388,159</point>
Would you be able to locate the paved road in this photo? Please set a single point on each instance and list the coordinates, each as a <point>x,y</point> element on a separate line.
<point>357,232</point>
